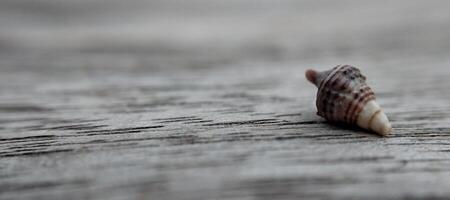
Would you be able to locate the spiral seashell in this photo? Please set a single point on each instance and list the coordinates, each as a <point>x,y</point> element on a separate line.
<point>344,96</point>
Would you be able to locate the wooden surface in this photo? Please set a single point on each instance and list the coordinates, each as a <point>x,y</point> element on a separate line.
<point>208,100</point>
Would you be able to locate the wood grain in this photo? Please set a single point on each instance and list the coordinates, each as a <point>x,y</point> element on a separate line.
<point>208,100</point>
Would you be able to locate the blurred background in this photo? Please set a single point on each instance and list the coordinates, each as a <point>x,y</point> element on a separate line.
<point>160,34</point>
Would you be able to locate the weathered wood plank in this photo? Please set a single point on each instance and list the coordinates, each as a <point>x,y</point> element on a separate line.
<point>209,100</point>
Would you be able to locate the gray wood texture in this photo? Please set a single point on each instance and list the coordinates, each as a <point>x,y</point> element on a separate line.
<point>207,99</point>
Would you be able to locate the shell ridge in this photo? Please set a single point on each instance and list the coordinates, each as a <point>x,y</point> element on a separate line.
<point>325,80</point>
<point>332,80</point>
<point>333,76</point>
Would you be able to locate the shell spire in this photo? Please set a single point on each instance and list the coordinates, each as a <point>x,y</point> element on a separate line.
<point>344,96</point>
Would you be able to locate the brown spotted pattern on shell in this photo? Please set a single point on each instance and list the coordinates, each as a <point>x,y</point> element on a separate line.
<point>344,96</point>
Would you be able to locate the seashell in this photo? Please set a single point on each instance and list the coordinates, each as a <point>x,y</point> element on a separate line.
<point>343,96</point>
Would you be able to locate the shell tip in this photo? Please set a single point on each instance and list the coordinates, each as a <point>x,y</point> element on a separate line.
<point>381,125</point>
<point>386,130</point>
<point>311,75</point>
